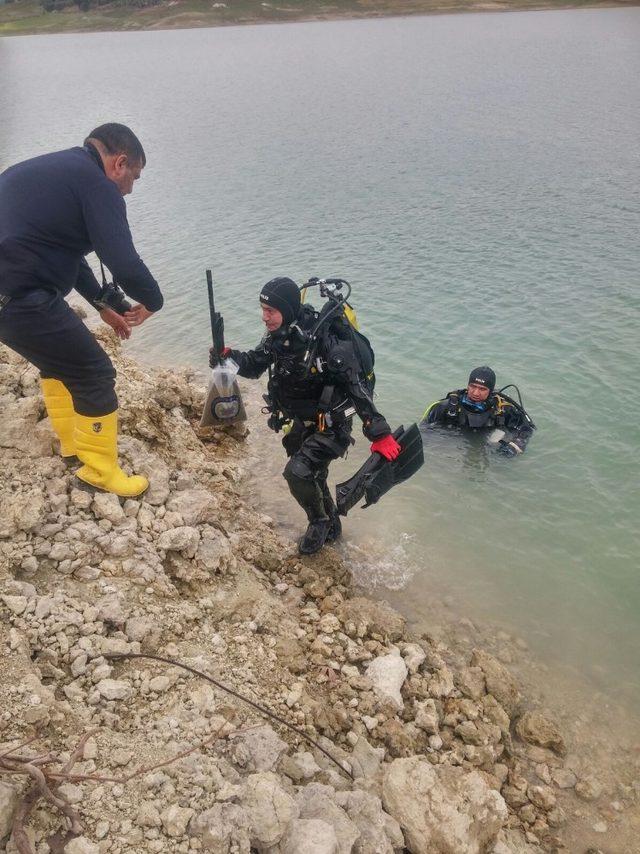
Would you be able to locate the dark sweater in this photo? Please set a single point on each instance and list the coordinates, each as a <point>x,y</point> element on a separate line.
<point>56,208</point>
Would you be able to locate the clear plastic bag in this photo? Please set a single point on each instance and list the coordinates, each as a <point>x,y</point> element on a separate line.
<point>224,401</point>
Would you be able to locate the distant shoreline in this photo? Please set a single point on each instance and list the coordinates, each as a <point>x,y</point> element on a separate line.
<point>26,17</point>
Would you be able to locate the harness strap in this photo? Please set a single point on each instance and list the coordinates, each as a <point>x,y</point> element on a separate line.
<point>324,404</point>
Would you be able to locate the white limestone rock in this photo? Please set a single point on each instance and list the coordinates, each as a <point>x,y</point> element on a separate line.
<point>160,684</point>
<point>427,717</point>
<point>148,815</point>
<point>8,804</point>
<point>309,836</point>
<point>105,505</point>
<point>196,506</point>
<point>81,845</point>
<point>387,674</point>
<point>142,630</point>
<point>214,551</point>
<point>379,832</point>
<point>535,728</point>
<point>270,808</point>
<point>442,809</point>
<point>114,689</point>
<point>258,749</point>
<point>441,683</point>
<point>414,656</point>
<point>112,610</point>
<point>72,792</point>
<point>223,828</point>
<point>300,767</point>
<point>19,429</point>
<point>317,801</point>
<point>21,511</point>
<point>183,539</point>
<point>16,604</point>
<point>500,683</point>
<point>366,759</point>
<point>175,820</point>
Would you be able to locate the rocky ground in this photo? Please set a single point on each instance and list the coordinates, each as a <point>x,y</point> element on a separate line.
<point>432,750</point>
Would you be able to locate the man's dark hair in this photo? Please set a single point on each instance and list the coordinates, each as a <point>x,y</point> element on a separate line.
<point>119,139</point>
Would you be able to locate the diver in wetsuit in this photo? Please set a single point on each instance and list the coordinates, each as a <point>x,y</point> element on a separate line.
<point>480,407</point>
<point>317,383</point>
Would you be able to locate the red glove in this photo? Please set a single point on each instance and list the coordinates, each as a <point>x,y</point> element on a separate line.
<point>387,447</point>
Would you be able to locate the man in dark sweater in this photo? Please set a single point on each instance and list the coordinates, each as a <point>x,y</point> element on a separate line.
<point>54,209</point>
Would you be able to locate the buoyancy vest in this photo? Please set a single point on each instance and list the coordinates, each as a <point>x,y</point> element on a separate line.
<point>493,415</point>
<point>302,377</point>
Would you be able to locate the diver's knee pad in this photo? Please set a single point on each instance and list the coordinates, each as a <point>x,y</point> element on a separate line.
<point>298,468</point>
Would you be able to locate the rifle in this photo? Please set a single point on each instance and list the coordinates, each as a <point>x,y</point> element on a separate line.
<point>224,402</point>
<point>217,325</point>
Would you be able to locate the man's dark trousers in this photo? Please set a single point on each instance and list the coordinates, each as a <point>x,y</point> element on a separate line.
<point>42,328</point>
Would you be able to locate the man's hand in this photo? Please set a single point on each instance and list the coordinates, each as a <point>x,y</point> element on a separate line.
<point>214,360</point>
<point>137,315</point>
<point>116,322</point>
<point>386,447</point>
<point>509,449</point>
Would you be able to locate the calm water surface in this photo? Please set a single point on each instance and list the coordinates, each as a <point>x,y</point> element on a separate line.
<point>476,179</point>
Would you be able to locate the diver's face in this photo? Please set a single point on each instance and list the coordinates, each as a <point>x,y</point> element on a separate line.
<point>477,393</point>
<point>271,317</point>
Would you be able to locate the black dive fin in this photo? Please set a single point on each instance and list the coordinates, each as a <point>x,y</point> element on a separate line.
<point>378,475</point>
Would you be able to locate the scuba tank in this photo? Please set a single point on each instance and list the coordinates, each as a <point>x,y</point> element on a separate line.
<point>338,306</point>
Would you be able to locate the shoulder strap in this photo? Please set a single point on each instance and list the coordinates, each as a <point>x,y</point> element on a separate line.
<point>453,404</point>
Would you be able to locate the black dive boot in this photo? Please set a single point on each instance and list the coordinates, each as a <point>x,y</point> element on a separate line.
<point>335,531</point>
<point>314,537</point>
<point>308,494</point>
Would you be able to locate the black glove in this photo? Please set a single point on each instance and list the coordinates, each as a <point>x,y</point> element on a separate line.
<point>510,449</point>
<point>214,360</point>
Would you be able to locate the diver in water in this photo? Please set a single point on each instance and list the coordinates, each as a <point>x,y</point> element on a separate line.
<point>479,407</point>
<point>317,383</point>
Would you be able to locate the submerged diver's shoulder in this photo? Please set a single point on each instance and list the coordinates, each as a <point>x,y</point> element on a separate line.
<point>437,409</point>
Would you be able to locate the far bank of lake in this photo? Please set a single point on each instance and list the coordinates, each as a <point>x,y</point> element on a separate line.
<point>27,17</point>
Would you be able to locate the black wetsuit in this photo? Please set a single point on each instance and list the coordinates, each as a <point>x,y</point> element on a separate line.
<point>54,209</point>
<point>320,402</point>
<point>500,412</point>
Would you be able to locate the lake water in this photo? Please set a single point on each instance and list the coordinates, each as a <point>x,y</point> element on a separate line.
<point>476,179</point>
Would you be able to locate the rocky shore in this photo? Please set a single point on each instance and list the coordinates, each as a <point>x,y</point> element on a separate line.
<point>431,752</point>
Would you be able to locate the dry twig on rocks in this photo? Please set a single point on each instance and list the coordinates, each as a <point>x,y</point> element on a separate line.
<point>45,783</point>
<point>262,709</point>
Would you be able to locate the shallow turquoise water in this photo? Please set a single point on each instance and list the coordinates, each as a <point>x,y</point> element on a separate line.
<point>476,179</point>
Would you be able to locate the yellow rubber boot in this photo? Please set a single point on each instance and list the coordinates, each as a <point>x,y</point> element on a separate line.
<point>61,415</point>
<point>96,441</point>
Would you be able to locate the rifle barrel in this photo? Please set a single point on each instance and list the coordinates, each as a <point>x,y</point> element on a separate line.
<point>212,308</point>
